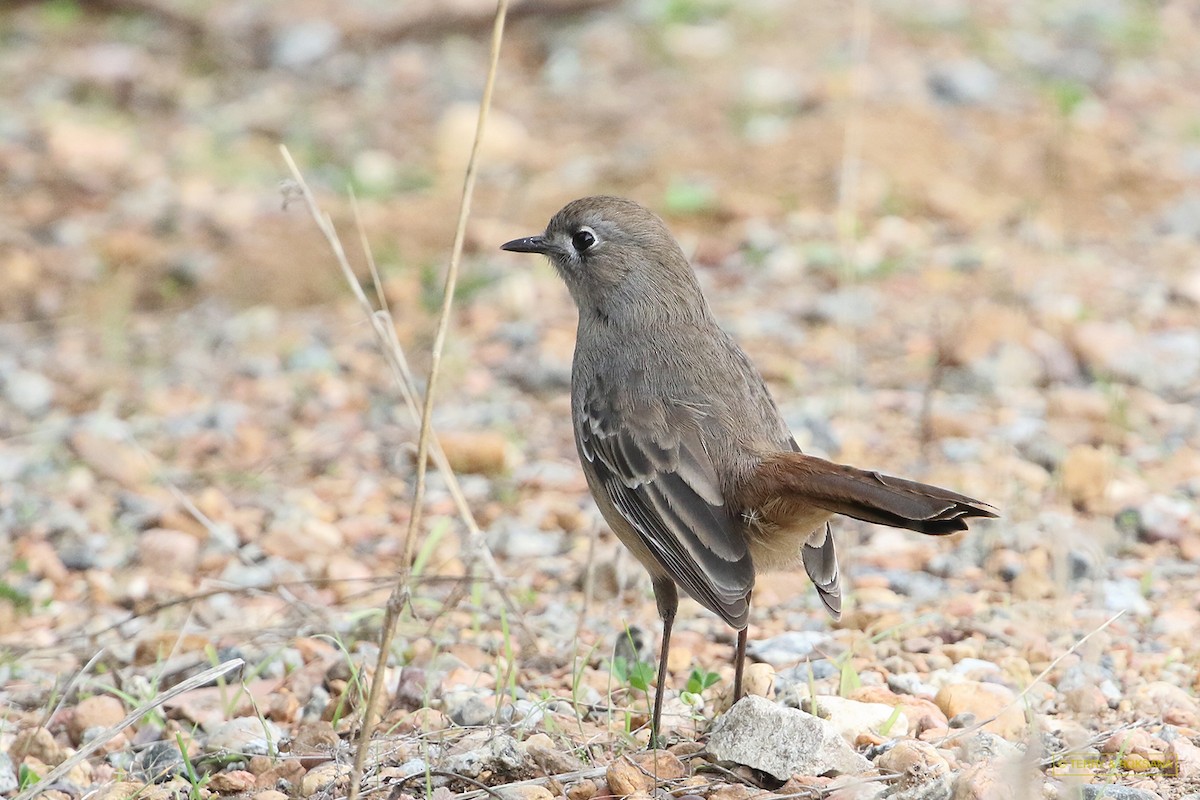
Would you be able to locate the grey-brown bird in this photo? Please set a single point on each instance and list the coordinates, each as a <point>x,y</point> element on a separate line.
<point>684,450</point>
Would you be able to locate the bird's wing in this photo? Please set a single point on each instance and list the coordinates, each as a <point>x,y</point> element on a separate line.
<point>654,468</point>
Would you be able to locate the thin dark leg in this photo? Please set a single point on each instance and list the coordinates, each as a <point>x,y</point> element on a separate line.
<point>739,664</point>
<point>667,597</point>
<point>739,660</point>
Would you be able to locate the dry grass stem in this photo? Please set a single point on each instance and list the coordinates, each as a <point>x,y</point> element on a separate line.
<point>100,740</point>
<point>401,593</point>
<point>1037,678</point>
<point>385,333</point>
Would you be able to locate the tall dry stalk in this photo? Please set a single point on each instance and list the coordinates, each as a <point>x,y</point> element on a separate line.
<point>402,591</point>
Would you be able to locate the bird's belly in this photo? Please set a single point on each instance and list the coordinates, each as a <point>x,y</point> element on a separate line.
<point>778,531</point>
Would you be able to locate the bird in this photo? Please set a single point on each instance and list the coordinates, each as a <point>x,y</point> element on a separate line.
<point>684,450</point>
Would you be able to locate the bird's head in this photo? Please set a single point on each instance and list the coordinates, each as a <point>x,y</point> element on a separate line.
<point>618,260</point>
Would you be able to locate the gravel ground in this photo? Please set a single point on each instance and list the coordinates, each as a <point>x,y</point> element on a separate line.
<point>961,240</point>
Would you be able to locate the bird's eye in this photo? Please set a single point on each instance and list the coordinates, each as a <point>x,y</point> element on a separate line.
<point>582,240</point>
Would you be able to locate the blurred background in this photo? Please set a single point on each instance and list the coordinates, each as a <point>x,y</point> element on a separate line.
<point>960,239</point>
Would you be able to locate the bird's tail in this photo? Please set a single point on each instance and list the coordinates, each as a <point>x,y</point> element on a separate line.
<point>868,496</point>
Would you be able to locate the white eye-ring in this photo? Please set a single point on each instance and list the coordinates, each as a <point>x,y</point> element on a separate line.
<point>583,239</point>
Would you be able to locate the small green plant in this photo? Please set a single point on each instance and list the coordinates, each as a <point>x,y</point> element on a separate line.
<point>508,678</point>
<point>26,777</point>
<point>147,689</point>
<point>886,727</point>
<point>637,675</point>
<point>61,14</point>
<point>195,781</point>
<point>700,680</point>
<point>436,534</point>
<point>354,686</point>
<point>577,682</point>
<point>848,680</point>
<point>1067,96</point>
<point>19,599</point>
<point>689,12</point>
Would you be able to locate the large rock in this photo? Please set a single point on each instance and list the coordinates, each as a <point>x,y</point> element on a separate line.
<point>782,741</point>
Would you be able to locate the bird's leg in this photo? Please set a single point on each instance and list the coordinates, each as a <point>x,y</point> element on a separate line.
<point>739,659</point>
<point>667,597</point>
<point>739,664</point>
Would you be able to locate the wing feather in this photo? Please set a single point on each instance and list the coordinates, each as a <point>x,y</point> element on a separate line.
<point>661,480</point>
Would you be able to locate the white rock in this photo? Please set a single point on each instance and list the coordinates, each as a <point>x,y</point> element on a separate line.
<point>31,392</point>
<point>782,741</point>
<point>852,717</point>
<point>249,736</point>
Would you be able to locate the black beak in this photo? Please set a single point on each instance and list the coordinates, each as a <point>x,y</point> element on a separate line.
<point>530,244</point>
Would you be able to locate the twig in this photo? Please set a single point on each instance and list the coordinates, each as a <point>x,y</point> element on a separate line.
<point>1101,737</point>
<point>99,741</point>
<point>365,244</point>
<point>565,777</point>
<point>401,594</point>
<point>441,773</point>
<point>952,736</point>
<point>385,333</point>
<point>17,757</point>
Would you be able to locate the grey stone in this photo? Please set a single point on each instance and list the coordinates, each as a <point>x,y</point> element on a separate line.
<point>1125,594</point>
<point>305,43</point>
<point>525,712</point>
<point>983,746</point>
<point>1182,217</point>
<point>850,787</point>
<point>1009,364</point>
<point>775,89</point>
<point>910,683</point>
<point>499,754</point>
<point>8,775</point>
<point>788,648</point>
<point>467,708</point>
<point>853,307</point>
<point>1082,674</point>
<point>160,761</point>
<point>959,449</point>
<point>413,766</point>
<point>782,741</point>
<point>966,81</point>
<point>513,539</point>
<point>1112,791</point>
<point>1163,518</point>
<point>920,586</point>
<point>1161,362</point>
<point>969,666</point>
<point>939,788</point>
